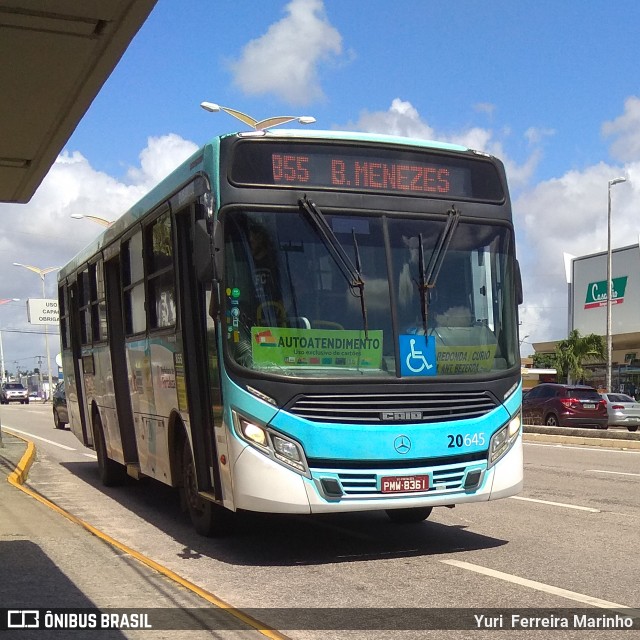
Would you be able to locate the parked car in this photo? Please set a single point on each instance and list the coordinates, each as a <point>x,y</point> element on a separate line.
<point>623,410</point>
<point>563,405</point>
<point>59,400</point>
<point>13,392</point>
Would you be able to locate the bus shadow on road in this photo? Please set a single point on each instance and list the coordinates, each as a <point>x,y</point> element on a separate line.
<point>33,583</point>
<point>288,540</point>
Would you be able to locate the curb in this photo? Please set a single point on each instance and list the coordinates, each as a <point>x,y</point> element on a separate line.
<point>609,443</point>
<point>19,475</point>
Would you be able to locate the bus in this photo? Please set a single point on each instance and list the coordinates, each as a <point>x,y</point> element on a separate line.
<point>302,323</point>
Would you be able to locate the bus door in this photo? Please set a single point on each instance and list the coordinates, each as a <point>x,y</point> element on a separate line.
<point>78,371</point>
<point>196,350</point>
<point>116,334</point>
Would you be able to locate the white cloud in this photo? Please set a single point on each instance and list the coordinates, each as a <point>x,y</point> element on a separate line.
<point>403,119</point>
<point>485,107</point>
<point>286,59</point>
<point>42,233</point>
<point>626,132</point>
<point>160,157</point>
<point>568,215</point>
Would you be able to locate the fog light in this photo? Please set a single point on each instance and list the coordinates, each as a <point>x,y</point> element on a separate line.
<point>473,479</point>
<point>331,487</point>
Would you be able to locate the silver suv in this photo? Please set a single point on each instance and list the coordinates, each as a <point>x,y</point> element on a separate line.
<point>13,392</point>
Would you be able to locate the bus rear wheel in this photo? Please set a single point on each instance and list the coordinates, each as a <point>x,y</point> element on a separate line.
<point>208,518</point>
<point>111,472</point>
<point>409,516</point>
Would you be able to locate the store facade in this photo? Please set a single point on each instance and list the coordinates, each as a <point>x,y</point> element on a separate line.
<point>588,312</point>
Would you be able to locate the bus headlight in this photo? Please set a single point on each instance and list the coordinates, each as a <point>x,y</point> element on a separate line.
<point>503,439</point>
<point>253,432</point>
<point>271,443</point>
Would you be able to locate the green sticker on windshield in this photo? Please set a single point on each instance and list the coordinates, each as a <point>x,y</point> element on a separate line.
<point>275,346</point>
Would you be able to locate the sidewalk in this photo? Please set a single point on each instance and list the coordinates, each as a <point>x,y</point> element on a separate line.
<point>49,562</point>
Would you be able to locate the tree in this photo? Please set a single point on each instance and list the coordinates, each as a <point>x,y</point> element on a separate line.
<point>575,351</point>
<point>544,360</point>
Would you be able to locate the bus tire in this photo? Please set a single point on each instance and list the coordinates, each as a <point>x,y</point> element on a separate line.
<point>111,472</point>
<point>208,518</point>
<point>56,420</point>
<point>411,515</point>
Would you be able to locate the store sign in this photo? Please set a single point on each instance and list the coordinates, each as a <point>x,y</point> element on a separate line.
<point>597,292</point>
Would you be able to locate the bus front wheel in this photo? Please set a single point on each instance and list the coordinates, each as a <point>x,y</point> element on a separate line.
<point>208,518</point>
<point>409,516</point>
<point>111,472</point>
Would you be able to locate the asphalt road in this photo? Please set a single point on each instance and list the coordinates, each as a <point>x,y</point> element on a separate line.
<point>568,542</point>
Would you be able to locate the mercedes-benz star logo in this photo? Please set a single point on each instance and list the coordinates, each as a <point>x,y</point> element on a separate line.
<point>402,444</point>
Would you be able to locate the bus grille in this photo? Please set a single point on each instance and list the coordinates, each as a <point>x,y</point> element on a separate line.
<point>443,478</point>
<point>393,408</point>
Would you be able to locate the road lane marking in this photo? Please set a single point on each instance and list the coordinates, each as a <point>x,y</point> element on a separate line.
<point>617,473</point>
<point>30,435</point>
<point>546,588</point>
<point>557,504</point>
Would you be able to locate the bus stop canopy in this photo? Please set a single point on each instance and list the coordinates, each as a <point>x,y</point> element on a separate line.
<point>56,55</point>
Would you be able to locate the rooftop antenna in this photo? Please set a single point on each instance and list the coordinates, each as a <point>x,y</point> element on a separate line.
<point>258,125</point>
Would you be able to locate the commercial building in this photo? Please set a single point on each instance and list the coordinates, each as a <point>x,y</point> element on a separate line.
<point>588,313</point>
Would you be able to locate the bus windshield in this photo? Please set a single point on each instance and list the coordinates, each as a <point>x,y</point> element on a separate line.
<point>290,310</point>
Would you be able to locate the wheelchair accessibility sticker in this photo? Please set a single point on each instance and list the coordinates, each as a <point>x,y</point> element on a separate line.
<point>417,355</point>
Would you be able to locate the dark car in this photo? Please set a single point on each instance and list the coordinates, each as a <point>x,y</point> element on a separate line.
<point>13,392</point>
<point>564,405</point>
<point>623,410</point>
<point>60,415</point>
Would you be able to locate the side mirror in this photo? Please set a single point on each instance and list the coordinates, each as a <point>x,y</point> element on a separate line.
<point>203,250</point>
<point>518,283</point>
<point>218,254</point>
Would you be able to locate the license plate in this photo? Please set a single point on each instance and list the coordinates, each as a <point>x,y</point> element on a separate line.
<point>404,484</point>
<point>588,406</point>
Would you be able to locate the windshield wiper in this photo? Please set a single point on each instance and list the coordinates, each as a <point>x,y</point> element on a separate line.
<point>429,274</point>
<point>351,273</point>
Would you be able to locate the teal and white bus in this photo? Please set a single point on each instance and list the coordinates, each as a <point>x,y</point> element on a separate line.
<point>304,322</point>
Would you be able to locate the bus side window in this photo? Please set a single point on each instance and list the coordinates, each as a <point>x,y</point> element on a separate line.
<point>160,273</point>
<point>134,298</point>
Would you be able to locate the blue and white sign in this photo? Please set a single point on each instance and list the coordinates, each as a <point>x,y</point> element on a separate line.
<point>417,355</point>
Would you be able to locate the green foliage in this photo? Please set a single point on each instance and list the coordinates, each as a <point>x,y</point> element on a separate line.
<point>544,360</point>
<point>575,351</point>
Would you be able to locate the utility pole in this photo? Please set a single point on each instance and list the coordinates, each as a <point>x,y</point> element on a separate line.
<point>40,391</point>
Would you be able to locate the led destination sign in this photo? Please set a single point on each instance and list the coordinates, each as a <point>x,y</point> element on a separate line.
<point>400,171</point>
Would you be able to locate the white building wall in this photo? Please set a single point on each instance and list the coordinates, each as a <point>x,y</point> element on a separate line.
<point>589,314</point>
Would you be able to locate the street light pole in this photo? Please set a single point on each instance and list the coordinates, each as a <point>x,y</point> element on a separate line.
<point>103,222</point>
<point>42,273</point>
<point>609,283</point>
<point>2,375</point>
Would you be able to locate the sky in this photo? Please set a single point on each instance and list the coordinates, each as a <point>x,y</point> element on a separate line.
<point>551,88</point>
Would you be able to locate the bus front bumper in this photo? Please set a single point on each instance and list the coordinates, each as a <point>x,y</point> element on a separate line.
<point>261,484</point>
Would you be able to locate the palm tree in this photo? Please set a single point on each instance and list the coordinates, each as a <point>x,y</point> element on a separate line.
<point>575,351</point>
